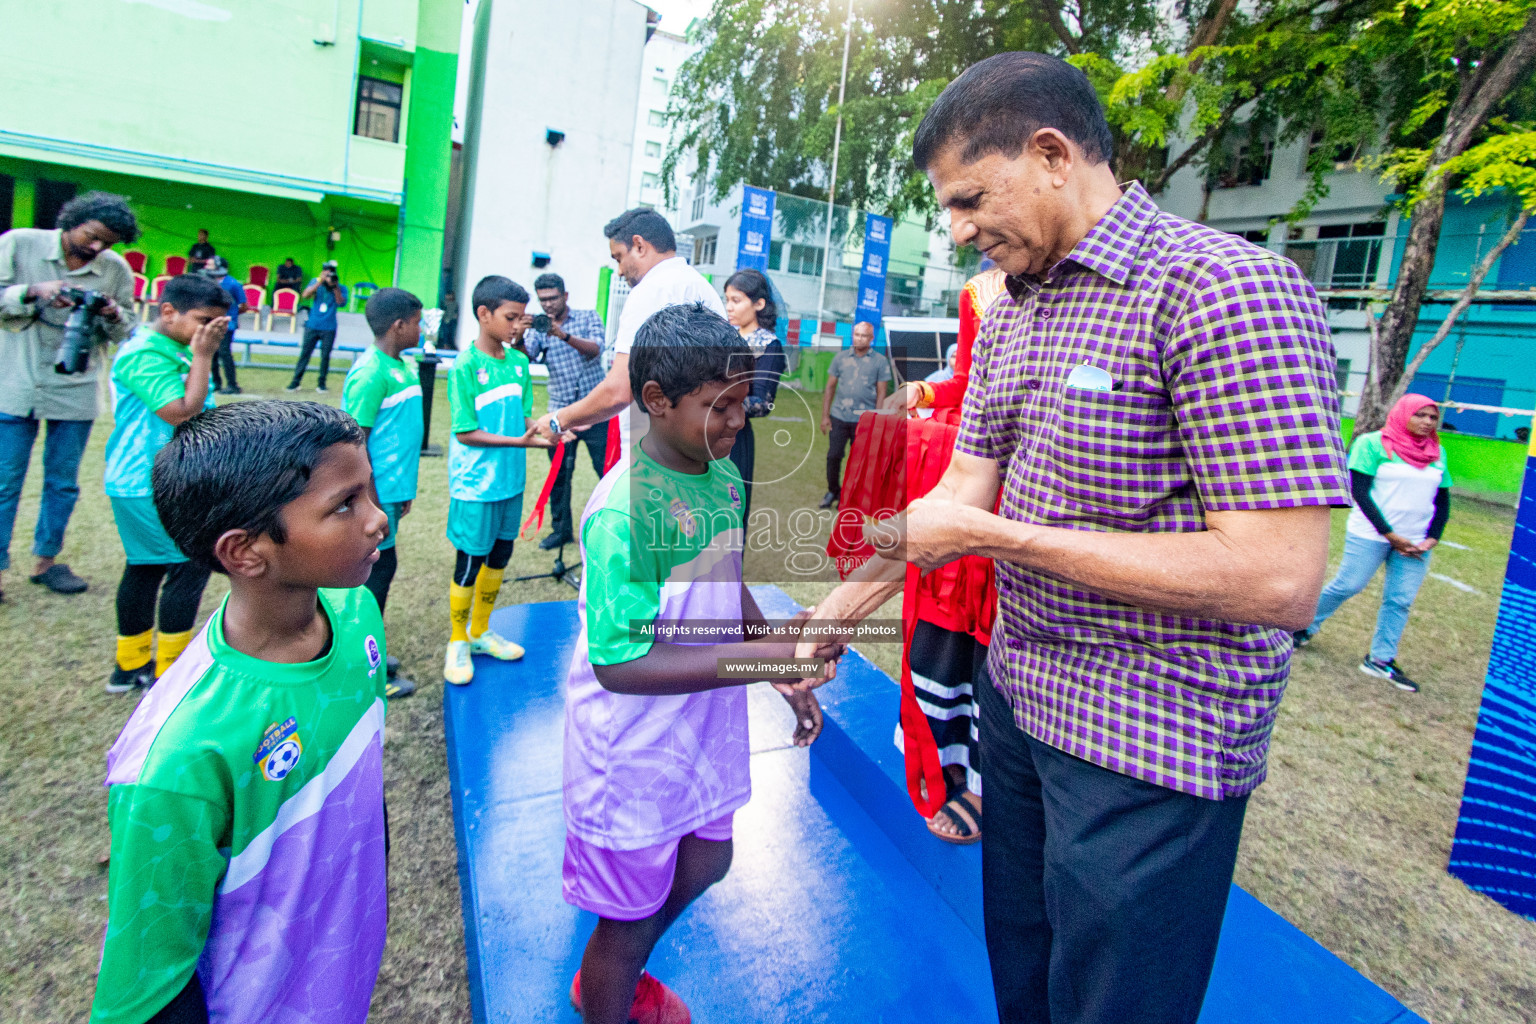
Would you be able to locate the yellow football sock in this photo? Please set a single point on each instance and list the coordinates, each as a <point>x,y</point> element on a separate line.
<point>133,651</point>
<point>459,601</point>
<point>487,586</point>
<point>169,649</point>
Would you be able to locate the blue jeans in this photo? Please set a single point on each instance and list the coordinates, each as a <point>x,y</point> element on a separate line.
<point>1405,575</point>
<point>62,449</point>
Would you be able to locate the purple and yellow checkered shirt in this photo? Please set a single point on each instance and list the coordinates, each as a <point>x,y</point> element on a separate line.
<point>1223,399</point>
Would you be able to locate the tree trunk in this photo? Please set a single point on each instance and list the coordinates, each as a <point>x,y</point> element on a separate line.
<point>1396,393</point>
<point>1480,94</point>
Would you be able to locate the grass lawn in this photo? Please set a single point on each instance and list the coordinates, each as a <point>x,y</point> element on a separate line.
<point>1348,839</point>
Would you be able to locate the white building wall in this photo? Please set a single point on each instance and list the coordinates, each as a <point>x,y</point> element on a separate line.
<point>521,195</point>
<point>664,56</point>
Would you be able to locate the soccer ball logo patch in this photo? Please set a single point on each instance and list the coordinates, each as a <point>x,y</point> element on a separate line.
<point>371,646</point>
<point>282,760</point>
<point>280,750</point>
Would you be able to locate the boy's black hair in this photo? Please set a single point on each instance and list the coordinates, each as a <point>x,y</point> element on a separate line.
<point>113,212</point>
<point>998,103</point>
<point>387,305</point>
<point>646,223</point>
<point>754,285</point>
<point>194,291</point>
<point>554,281</point>
<point>684,347</point>
<point>235,467</point>
<point>493,290</point>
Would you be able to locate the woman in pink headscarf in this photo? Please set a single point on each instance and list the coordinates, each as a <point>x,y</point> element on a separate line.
<point>1402,494</point>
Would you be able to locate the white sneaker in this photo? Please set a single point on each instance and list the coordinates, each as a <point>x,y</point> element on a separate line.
<point>498,647</point>
<point>458,667</point>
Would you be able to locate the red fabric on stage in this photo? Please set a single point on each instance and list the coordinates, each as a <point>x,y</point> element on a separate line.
<point>529,529</point>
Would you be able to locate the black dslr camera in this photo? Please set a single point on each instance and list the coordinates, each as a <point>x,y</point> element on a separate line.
<point>81,331</point>
<point>541,323</point>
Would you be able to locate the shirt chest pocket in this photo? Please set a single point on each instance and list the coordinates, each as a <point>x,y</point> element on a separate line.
<point>1114,451</point>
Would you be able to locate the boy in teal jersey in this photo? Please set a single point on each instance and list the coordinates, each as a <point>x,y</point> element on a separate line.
<point>160,379</point>
<point>492,398</point>
<point>383,393</point>
<point>656,740</point>
<point>245,794</point>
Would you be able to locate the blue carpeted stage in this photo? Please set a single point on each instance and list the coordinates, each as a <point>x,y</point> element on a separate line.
<point>839,907</point>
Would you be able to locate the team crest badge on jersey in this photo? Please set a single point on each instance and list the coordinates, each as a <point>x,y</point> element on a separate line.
<point>280,750</point>
<point>371,646</point>
<point>684,516</point>
<point>483,375</point>
<point>735,495</point>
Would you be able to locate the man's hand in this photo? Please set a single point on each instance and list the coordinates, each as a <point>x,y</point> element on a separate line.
<point>1403,546</point>
<point>930,533</point>
<point>405,507</point>
<point>826,425</point>
<point>112,311</point>
<point>521,325</point>
<point>208,337</point>
<point>1428,544</point>
<point>46,293</point>
<point>903,399</point>
<point>807,716</point>
<point>540,429</point>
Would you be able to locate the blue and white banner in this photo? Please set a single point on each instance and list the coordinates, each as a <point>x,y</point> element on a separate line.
<point>756,228</point>
<point>877,253</point>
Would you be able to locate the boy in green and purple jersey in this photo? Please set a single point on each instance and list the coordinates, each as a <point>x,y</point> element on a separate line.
<point>245,794</point>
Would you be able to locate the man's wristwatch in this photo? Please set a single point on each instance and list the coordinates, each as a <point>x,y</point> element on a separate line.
<point>554,424</point>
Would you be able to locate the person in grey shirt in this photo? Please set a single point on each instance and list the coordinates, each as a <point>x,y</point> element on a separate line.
<point>857,382</point>
<point>35,266</point>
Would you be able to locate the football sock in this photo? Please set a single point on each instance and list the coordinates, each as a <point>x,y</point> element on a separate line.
<point>459,601</point>
<point>133,651</point>
<point>487,587</point>
<point>169,649</point>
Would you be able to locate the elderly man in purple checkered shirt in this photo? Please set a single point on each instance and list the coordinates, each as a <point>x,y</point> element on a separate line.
<point>1154,401</point>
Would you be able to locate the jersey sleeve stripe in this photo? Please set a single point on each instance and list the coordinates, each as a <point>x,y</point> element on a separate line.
<point>247,864</point>
<point>127,755</point>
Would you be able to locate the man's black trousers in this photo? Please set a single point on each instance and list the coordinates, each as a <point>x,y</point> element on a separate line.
<point>837,444</point>
<point>1103,895</point>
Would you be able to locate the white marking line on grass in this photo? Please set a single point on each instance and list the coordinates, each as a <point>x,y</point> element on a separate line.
<point>1453,544</point>
<point>1456,583</point>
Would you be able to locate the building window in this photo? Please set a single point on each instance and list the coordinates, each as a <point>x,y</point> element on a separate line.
<point>704,250</point>
<point>800,259</point>
<point>649,181</point>
<point>1244,163</point>
<point>698,205</point>
<point>657,119</point>
<point>1341,155</point>
<point>659,84</point>
<point>1258,236</point>
<point>378,110</point>
<point>1341,256</point>
<point>653,149</point>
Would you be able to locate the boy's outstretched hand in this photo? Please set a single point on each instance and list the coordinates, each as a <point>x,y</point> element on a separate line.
<point>807,716</point>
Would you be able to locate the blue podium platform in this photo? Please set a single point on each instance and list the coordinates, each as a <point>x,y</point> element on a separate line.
<point>839,906</point>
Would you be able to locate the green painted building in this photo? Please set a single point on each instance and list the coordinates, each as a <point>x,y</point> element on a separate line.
<point>317,129</point>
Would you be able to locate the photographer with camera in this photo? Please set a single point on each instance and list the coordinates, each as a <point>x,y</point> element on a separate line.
<point>570,343</point>
<point>49,281</point>
<point>329,296</point>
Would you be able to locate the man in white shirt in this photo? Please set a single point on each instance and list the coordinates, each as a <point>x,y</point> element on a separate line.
<point>642,244</point>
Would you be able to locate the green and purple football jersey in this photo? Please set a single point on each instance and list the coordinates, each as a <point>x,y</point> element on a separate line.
<point>246,805</point>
